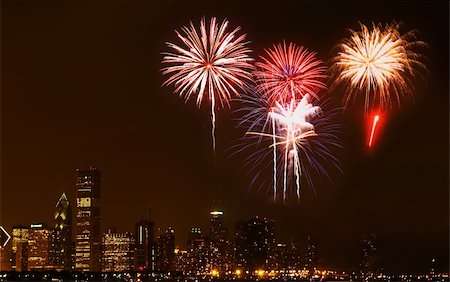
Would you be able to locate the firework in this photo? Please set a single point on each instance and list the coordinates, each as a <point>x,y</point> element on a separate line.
<point>212,64</point>
<point>378,64</point>
<point>376,118</point>
<point>297,136</point>
<point>289,72</point>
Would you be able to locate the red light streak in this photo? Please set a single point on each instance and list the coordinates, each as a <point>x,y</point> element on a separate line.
<point>374,125</point>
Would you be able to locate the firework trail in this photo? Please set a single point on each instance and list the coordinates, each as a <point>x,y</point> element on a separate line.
<point>289,72</point>
<point>378,63</point>
<point>280,110</point>
<point>211,62</point>
<point>292,129</point>
<point>374,127</point>
<point>301,138</point>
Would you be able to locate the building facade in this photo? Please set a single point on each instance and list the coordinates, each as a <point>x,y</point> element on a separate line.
<point>220,251</point>
<point>62,239</point>
<point>165,254</point>
<point>39,247</point>
<point>19,259</point>
<point>145,249</point>
<point>87,221</point>
<point>255,244</point>
<point>181,261</point>
<point>117,251</point>
<point>287,256</point>
<point>369,265</point>
<point>21,256</point>
<point>197,253</point>
<point>312,254</point>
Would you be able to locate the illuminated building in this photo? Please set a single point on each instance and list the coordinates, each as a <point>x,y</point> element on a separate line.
<point>118,251</point>
<point>194,234</point>
<point>369,255</point>
<point>87,223</point>
<point>219,247</point>
<point>312,254</point>
<point>165,250</point>
<point>287,257</point>
<point>181,261</point>
<point>217,230</point>
<point>20,236</point>
<point>197,252</point>
<point>21,256</point>
<point>62,239</point>
<point>39,247</point>
<point>255,243</point>
<point>145,250</point>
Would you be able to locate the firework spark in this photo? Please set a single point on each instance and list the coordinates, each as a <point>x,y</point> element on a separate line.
<point>301,137</point>
<point>213,62</point>
<point>374,126</point>
<point>289,72</point>
<point>378,63</point>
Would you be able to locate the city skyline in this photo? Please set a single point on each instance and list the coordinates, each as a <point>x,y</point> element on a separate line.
<point>251,230</point>
<point>82,87</point>
<point>211,252</point>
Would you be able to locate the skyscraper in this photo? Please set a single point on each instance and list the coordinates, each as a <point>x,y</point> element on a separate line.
<point>39,247</point>
<point>197,252</point>
<point>19,239</point>
<point>312,254</point>
<point>165,250</point>
<point>62,239</point>
<point>87,228</point>
<point>145,249</point>
<point>217,230</point>
<point>21,256</point>
<point>287,256</point>
<point>181,261</point>
<point>369,255</point>
<point>255,243</point>
<point>219,247</point>
<point>118,251</point>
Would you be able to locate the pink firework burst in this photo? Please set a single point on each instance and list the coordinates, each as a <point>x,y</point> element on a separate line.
<point>212,64</point>
<point>289,72</point>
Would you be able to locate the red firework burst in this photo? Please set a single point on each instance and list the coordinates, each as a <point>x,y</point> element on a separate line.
<point>289,72</point>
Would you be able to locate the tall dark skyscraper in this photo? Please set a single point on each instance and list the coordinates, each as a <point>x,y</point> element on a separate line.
<point>87,228</point>
<point>255,243</point>
<point>145,247</point>
<point>369,255</point>
<point>217,230</point>
<point>165,250</point>
<point>287,256</point>
<point>220,252</point>
<point>312,254</point>
<point>62,238</point>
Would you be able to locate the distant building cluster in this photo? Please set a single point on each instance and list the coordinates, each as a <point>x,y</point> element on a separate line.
<point>74,243</point>
<point>42,247</point>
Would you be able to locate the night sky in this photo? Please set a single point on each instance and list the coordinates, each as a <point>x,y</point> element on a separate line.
<point>81,86</point>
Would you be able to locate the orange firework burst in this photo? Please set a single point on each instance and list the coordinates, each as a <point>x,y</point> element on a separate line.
<point>379,63</point>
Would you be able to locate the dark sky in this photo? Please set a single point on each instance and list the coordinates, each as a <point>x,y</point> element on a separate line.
<point>81,86</point>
